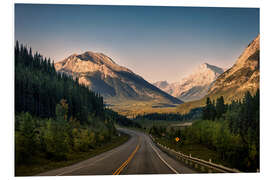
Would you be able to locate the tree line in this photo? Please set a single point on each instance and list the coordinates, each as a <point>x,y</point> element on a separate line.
<point>55,116</point>
<point>194,113</point>
<point>38,88</point>
<point>242,116</point>
<point>56,139</point>
<point>230,130</point>
<point>122,120</point>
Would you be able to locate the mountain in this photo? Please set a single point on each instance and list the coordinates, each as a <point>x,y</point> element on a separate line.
<point>115,83</point>
<point>194,86</point>
<point>243,76</point>
<point>161,84</point>
<point>165,86</point>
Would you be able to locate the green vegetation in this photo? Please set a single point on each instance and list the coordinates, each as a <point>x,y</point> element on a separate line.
<point>60,141</point>
<point>132,108</point>
<point>122,120</point>
<point>146,121</point>
<point>38,88</point>
<point>228,94</point>
<point>188,106</point>
<point>45,144</point>
<point>194,113</point>
<point>57,120</point>
<point>227,134</point>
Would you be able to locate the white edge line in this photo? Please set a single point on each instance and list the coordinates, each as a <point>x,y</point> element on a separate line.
<point>176,172</point>
<point>83,166</point>
<point>80,167</point>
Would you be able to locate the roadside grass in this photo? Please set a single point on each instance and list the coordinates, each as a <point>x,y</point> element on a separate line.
<point>196,150</point>
<point>41,164</point>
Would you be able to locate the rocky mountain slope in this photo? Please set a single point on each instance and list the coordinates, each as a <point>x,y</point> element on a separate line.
<point>243,76</point>
<point>194,86</point>
<point>115,83</point>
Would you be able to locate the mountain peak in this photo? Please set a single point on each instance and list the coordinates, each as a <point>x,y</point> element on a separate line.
<point>252,48</point>
<point>114,82</point>
<point>95,57</point>
<point>195,85</point>
<point>206,69</point>
<point>205,64</point>
<point>243,76</point>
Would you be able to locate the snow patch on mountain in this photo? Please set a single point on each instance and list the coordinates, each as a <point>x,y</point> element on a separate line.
<point>193,86</point>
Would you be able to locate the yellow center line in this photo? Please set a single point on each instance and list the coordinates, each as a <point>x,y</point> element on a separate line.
<point>118,171</point>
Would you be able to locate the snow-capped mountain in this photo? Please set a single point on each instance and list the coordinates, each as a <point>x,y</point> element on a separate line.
<point>195,85</point>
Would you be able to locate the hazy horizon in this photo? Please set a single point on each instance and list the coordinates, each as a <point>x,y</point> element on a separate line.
<point>158,43</point>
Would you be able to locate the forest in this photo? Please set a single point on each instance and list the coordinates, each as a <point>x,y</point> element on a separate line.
<point>55,116</point>
<point>194,113</point>
<point>231,131</point>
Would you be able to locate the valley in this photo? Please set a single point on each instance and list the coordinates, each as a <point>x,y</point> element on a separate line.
<point>135,90</point>
<point>130,95</point>
<point>121,97</point>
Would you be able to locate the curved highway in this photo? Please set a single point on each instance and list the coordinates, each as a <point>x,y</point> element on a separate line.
<point>137,156</point>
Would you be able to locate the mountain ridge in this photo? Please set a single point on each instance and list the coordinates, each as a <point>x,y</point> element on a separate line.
<point>114,82</point>
<point>243,76</point>
<point>195,85</point>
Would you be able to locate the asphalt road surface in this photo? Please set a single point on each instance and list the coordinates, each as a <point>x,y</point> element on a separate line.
<point>137,156</point>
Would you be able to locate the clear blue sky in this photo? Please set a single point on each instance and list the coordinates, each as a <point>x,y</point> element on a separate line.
<point>158,43</point>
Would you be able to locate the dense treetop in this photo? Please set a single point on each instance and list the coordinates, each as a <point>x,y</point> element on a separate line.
<point>38,88</point>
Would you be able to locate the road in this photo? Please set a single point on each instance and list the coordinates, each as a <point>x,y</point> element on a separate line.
<point>137,156</point>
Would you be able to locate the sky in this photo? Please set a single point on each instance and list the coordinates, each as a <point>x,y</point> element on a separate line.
<point>158,43</point>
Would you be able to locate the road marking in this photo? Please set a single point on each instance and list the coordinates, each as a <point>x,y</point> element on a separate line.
<point>176,172</point>
<point>83,165</point>
<point>69,171</point>
<point>104,157</point>
<point>119,170</point>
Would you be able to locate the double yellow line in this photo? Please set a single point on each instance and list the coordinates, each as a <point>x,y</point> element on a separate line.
<point>118,171</point>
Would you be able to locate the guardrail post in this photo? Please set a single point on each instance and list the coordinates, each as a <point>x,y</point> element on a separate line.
<point>210,160</point>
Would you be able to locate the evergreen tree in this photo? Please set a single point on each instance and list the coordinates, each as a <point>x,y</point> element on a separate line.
<point>220,107</point>
<point>207,109</point>
<point>38,88</point>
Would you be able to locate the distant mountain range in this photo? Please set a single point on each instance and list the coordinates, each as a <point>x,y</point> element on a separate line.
<point>127,91</point>
<point>195,86</point>
<point>115,83</point>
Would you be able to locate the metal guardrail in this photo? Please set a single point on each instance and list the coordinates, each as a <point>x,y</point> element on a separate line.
<point>198,164</point>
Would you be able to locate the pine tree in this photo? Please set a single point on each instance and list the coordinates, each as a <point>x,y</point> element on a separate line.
<point>220,107</point>
<point>207,109</point>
